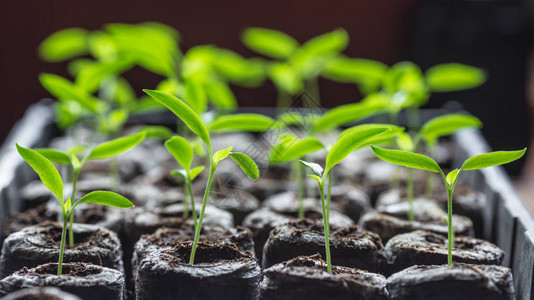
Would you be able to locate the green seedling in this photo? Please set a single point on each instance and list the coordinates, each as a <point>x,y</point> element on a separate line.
<point>295,66</point>
<point>72,158</point>
<point>344,146</point>
<point>419,161</point>
<point>182,151</point>
<point>50,177</point>
<point>192,120</point>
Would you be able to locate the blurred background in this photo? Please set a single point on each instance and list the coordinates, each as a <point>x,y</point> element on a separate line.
<point>493,35</point>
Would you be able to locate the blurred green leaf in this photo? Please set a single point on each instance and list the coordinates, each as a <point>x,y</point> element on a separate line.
<point>445,125</point>
<point>296,149</point>
<point>345,114</point>
<point>285,78</point>
<point>181,150</point>
<point>90,77</point>
<point>220,94</point>
<point>241,122</point>
<point>64,45</point>
<point>116,146</point>
<point>269,42</point>
<point>454,77</point>
<point>246,164</point>
<point>365,72</point>
<point>156,131</point>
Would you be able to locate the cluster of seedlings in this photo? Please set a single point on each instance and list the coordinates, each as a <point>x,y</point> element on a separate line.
<point>370,231</point>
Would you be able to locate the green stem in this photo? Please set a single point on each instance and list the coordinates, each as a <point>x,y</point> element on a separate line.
<point>192,199</point>
<point>329,197</point>
<point>313,86</point>
<point>185,213</point>
<point>114,174</point>
<point>204,202</point>
<point>62,247</point>
<point>449,225</point>
<point>326,229</point>
<point>413,118</point>
<point>409,189</point>
<point>283,101</point>
<point>300,181</point>
<point>72,201</point>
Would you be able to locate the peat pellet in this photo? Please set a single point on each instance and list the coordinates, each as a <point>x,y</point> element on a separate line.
<point>41,293</point>
<point>349,246</point>
<point>428,248</point>
<point>459,282</point>
<point>262,221</point>
<point>393,219</point>
<point>167,238</point>
<point>36,245</point>
<point>221,271</point>
<point>306,277</point>
<point>84,280</point>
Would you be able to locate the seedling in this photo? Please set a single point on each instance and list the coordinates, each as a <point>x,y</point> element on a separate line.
<point>182,151</point>
<point>343,147</point>
<point>70,158</point>
<point>50,177</point>
<point>419,161</point>
<point>295,66</point>
<point>197,126</point>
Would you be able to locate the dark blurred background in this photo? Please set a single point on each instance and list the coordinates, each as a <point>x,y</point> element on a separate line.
<point>493,35</point>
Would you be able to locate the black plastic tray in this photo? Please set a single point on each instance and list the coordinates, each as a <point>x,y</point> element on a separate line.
<point>506,220</point>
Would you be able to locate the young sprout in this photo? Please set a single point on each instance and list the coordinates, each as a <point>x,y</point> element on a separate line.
<point>182,151</point>
<point>344,146</point>
<point>195,124</point>
<point>295,66</point>
<point>50,177</point>
<point>70,158</point>
<point>419,161</point>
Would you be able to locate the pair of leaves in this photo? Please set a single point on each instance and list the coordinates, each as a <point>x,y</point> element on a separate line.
<point>50,177</point>
<point>419,161</point>
<point>342,148</point>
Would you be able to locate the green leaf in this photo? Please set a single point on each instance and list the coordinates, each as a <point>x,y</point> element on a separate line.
<point>241,122</point>
<point>220,94</point>
<point>221,154</point>
<point>181,150</point>
<point>195,172</point>
<point>117,118</point>
<point>492,159</point>
<point>269,42</point>
<point>45,169</point>
<point>123,93</point>
<point>64,44</point>
<point>68,204</point>
<point>54,155</point>
<point>179,173</point>
<point>454,77</point>
<point>156,131</point>
<point>316,168</point>
<point>90,78</point>
<point>246,164</point>
<point>405,142</point>
<point>116,146</point>
<point>395,130</point>
<point>350,142</point>
<point>345,114</point>
<point>317,178</point>
<point>237,69</point>
<point>451,177</point>
<point>445,125</point>
<point>195,94</point>
<point>297,149</point>
<point>182,111</point>
<point>63,89</point>
<point>407,159</point>
<point>106,198</point>
<point>365,72</point>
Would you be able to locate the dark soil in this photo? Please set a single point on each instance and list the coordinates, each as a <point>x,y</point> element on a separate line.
<point>306,277</point>
<point>349,246</point>
<point>226,272</point>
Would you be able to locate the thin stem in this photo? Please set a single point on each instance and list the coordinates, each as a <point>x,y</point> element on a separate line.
<point>185,213</point>
<point>409,189</point>
<point>313,86</point>
<point>326,229</point>
<point>329,197</point>
<point>72,201</point>
<point>204,202</point>
<point>449,225</point>
<point>114,174</point>
<point>413,118</point>
<point>62,248</point>
<point>192,199</point>
<point>283,101</point>
<point>300,181</point>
